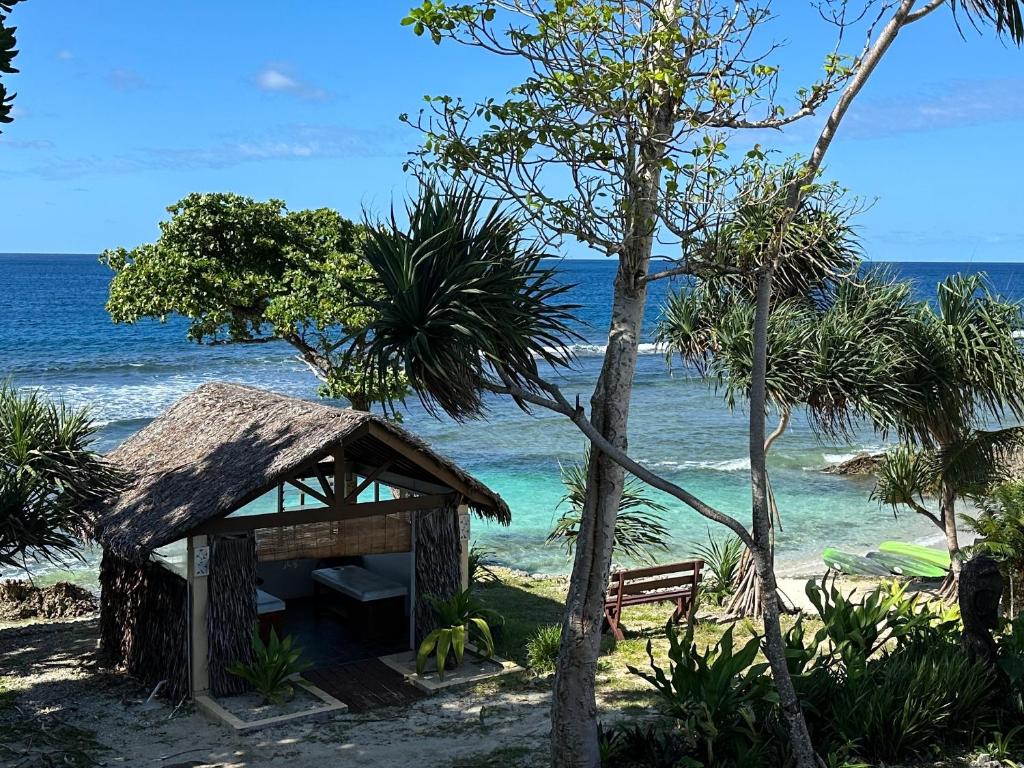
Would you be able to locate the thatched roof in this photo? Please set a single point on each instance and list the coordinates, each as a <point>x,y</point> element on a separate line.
<point>224,445</point>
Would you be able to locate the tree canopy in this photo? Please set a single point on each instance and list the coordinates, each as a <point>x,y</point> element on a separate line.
<point>249,272</point>
<point>8,51</point>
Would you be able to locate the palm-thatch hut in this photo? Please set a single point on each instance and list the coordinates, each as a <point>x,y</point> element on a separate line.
<point>243,504</point>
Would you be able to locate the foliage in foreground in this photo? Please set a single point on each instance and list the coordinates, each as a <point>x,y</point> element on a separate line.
<point>48,474</point>
<point>640,533</point>
<point>273,665</point>
<point>1000,528</point>
<point>459,618</point>
<point>7,53</point>
<point>883,680</point>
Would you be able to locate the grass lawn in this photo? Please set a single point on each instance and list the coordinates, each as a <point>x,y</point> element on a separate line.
<point>529,603</point>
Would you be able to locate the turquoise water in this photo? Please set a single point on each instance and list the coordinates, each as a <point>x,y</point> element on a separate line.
<point>55,334</point>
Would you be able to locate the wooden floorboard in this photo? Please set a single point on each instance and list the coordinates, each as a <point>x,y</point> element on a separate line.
<point>364,685</point>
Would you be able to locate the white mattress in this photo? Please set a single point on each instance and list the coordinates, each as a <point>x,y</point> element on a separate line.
<point>267,603</point>
<point>359,583</point>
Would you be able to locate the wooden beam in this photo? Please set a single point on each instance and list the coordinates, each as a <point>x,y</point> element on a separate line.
<point>369,479</point>
<point>328,491</point>
<point>425,463</point>
<point>321,514</point>
<point>340,491</point>
<point>308,490</point>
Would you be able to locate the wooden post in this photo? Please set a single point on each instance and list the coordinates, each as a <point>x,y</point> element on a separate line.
<point>198,563</point>
<point>463,513</point>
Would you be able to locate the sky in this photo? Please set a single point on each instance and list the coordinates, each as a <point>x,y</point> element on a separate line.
<point>125,107</point>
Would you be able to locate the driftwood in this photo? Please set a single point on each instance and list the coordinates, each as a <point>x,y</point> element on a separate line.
<point>144,622</point>
<point>981,588</point>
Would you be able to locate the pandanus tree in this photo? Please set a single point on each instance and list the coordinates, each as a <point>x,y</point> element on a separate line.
<point>244,271</point>
<point>8,51</point>
<point>48,476</point>
<point>959,420</point>
<point>615,138</point>
<point>833,335</point>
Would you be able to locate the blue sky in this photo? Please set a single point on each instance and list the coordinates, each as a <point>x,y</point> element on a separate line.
<point>124,107</point>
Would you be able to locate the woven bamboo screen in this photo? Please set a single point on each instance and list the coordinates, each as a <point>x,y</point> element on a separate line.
<point>376,535</point>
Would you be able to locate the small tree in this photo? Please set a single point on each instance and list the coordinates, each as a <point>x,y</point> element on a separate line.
<point>248,272</point>
<point>7,53</point>
<point>834,339</point>
<point>48,475</point>
<point>964,372</point>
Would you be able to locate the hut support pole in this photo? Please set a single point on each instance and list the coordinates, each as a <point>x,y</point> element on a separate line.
<point>198,599</point>
<point>463,512</point>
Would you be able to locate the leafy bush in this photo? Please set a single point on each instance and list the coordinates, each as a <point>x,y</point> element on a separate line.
<point>479,572</point>
<point>272,666</point>
<point>718,697</point>
<point>1000,528</point>
<point>454,616</point>
<point>1011,661</point>
<point>542,648</point>
<point>652,745</point>
<point>639,531</point>
<point>722,562</point>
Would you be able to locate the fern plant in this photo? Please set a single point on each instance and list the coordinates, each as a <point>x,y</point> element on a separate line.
<point>273,665</point>
<point>459,617</point>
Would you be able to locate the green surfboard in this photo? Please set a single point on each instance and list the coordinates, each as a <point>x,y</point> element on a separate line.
<point>852,565</point>
<point>936,557</point>
<point>902,565</point>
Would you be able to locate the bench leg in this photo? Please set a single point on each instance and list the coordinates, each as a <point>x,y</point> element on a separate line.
<point>684,607</point>
<point>612,616</point>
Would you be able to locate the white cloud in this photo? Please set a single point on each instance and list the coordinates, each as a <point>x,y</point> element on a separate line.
<point>278,78</point>
<point>125,80</point>
<point>65,55</point>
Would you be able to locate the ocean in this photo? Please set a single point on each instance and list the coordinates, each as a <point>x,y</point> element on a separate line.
<point>55,335</point>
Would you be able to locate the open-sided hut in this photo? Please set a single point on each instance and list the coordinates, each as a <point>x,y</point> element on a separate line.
<point>238,497</point>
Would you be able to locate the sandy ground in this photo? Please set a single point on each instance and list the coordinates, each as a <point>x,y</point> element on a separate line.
<point>52,668</point>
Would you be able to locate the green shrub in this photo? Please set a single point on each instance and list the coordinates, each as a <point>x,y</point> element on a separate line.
<point>718,697</point>
<point>645,746</point>
<point>908,702</point>
<point>542,648</point>
<point>722,563</point>
<point>458,616</point>
<point>272,665</point>
<point>479,572</point>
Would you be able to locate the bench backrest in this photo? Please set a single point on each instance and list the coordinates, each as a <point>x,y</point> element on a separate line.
<point>637,581</point>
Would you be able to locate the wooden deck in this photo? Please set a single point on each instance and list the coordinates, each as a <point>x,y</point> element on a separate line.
<point>364,685</point>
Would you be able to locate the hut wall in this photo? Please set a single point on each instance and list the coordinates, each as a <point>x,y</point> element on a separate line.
<point>437,562</point>
<point>144,622</point>
<point>231,609</point>
<point>377,535</point>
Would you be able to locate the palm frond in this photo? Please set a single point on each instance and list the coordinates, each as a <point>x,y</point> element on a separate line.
<point>640,532</point>
<point>463,302</point>
<point>1007,16</point>
<point>905,477</point>
<point>979,460</point>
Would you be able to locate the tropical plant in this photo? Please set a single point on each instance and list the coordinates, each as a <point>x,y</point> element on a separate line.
<point>7,53</point>
<point>48,477</point>
<point>542,648</point>
<point>722,561</point>
<point>273,665</point>
<point>459,618</point>
<point>965,373</point>
<point>675,83</point>
<point>640,532</point>
<point>650,745</point>
<point>718,696</point>
<point>1000,530</point>
<point>249,272</point>
<point>479,571</point>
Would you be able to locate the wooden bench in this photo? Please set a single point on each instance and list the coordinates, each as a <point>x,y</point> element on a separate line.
<point>676,583</point>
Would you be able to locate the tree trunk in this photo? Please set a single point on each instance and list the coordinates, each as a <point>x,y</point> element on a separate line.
<point>947,502</point>
<point>799,737</point>
<point>574,706</point>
